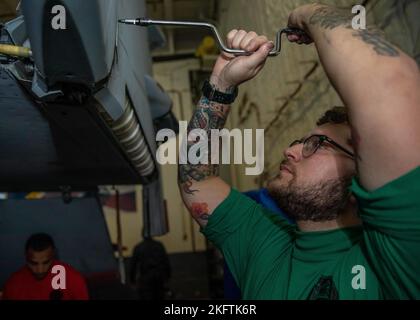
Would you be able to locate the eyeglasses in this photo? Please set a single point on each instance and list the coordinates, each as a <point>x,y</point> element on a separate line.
<point>314,142</point>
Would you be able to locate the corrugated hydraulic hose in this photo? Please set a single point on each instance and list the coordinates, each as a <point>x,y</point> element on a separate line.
<point>130,136</point>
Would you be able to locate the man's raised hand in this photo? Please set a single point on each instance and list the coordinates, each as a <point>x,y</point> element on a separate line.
<point>230,71</point>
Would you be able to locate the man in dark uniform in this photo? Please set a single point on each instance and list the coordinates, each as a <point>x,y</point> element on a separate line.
<point>150,269</point>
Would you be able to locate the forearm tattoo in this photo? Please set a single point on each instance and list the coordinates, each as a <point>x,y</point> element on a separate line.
<point>330,18</point>
<point>200,210</point>
<point>207,116</point>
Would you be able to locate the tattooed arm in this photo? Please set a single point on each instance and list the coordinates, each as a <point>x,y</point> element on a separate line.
<point>377,82</point>
<point>201,188</point>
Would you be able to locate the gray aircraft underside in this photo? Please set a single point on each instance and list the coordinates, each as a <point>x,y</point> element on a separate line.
<point>83,110</point>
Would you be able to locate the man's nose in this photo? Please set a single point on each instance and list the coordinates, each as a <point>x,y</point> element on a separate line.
<point>294,153</point>
<point>39,269</point>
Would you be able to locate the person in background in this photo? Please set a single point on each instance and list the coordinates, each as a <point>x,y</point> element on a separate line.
<point>34,281</point>
<point>150,269</point>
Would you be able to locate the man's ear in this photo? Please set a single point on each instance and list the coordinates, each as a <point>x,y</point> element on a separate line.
<point>353,202</point>
<point>353,199</point>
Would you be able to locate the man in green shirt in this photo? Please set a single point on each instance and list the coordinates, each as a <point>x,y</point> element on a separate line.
<point>353,187</point>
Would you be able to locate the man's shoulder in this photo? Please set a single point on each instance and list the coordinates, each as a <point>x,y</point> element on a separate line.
<point>16,280</point>
<point>399,194</point>
<point>239,197</point>
<point>18,275</point>
<point>408,181</point>
<point>238,201</point>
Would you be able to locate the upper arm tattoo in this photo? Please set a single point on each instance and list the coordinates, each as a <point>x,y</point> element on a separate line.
<point>330,18</point>
<point>376,39</point>
<point>207,116</point>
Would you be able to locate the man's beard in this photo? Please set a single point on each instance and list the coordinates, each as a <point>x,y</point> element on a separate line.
<point>319,202</point>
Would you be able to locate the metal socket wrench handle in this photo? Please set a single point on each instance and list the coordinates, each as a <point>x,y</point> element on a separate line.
<point>144,22</point>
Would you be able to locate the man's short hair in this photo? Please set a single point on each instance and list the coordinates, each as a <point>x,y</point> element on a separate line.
<point>39,242</point>
<point>335,115</point>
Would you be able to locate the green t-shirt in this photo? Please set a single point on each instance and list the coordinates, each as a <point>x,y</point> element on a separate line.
<point>271,259</point>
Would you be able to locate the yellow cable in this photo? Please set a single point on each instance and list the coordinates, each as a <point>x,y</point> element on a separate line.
<point>207,47</point>
<point>16,51</point>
